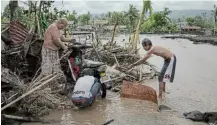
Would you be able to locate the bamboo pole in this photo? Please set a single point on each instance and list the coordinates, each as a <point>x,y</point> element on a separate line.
<point>114,30</point>
<point>20,118</point>
<point>116,60</point>
<point>94,46</point>
<point>142,15</point>
<point>39,30</point>
<point>121,77</point>
<point>28,93</point>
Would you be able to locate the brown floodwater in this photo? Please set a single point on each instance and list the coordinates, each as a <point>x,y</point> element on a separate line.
<point>194,88</point>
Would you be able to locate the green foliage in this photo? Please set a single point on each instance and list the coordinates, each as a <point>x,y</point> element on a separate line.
<point>18,15</point>
<point>190,21</point>
<point>72,17</point>
<point>119,16</point>
<point>201,21</point>
<point>84,18</point>
<point>132,15</point>
<point>172,27</point>
<point>60,13</point>
<point>147,26</point>
<point>159,22</point>
<point>198,21</point>
<point>159,19</point>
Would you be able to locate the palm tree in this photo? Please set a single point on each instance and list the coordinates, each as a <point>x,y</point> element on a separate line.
<point>146,8</point>
<point>132,15</point>
<point>166,12</point>
<point>108,16</point>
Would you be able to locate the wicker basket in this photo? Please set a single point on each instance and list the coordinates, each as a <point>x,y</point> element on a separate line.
<point>138,91</point>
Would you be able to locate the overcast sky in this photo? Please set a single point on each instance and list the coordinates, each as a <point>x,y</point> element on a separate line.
<point>101,6</point>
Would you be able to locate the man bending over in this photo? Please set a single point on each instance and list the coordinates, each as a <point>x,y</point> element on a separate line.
<point>168,71</point>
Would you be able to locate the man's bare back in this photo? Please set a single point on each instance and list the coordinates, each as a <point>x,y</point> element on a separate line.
<point>162,52</point>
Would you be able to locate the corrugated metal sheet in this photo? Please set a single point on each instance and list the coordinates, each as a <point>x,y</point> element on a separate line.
<point>18,32</point>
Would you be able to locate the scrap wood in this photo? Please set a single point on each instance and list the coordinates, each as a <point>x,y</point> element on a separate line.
<point>20,118</point>
<point>35,83</point>
<point>11,78</point>
<point>28,93</point>
<point>113,79</point>
<point>8,99</point>
<point>4,30</point>
<point>97,53</point>
<point>116,60</point>
<point>108,122</point>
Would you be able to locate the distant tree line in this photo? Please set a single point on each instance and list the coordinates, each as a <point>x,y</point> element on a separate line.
<point>155,22</point>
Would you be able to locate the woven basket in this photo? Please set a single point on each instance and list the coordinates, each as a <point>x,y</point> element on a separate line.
<point>138,91</point>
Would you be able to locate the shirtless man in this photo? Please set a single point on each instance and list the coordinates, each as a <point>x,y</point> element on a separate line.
<point>168,71</point>
<point>53,42</point>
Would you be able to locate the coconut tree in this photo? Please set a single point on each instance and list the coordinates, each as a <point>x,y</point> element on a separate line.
<point>146,8</point>
<point>131,16</point>
<point>166,12</point>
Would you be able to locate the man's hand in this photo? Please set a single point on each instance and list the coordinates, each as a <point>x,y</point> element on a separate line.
<point>73,40</point>
<point>65,48</point>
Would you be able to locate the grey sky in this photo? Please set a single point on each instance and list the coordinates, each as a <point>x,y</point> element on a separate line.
<point>100,6</point>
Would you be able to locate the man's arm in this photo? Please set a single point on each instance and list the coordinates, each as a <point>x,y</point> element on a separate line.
<point>65,39</point>
<point>62,38</point>
<point>147,55</point>
<point>56,37</point>
<point>60,43</point>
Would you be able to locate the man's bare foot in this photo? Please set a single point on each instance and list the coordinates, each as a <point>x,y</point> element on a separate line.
<point>160,100</point>
<point>166,92</point>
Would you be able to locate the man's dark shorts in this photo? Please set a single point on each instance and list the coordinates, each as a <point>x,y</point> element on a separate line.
<point>165,66</point>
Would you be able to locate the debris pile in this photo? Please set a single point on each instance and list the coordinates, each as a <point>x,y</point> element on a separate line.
<point>118,59</point>
<point>25,92</point>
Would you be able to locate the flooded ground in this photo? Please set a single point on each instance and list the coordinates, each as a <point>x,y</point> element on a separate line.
<point>194,88</point>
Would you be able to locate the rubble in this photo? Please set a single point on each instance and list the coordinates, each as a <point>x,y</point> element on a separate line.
<point>117,59</point>
<point>23,92</point>
<point>30,94</point>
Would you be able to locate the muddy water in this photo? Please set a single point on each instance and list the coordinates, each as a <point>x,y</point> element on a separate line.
<point>194,88</point>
